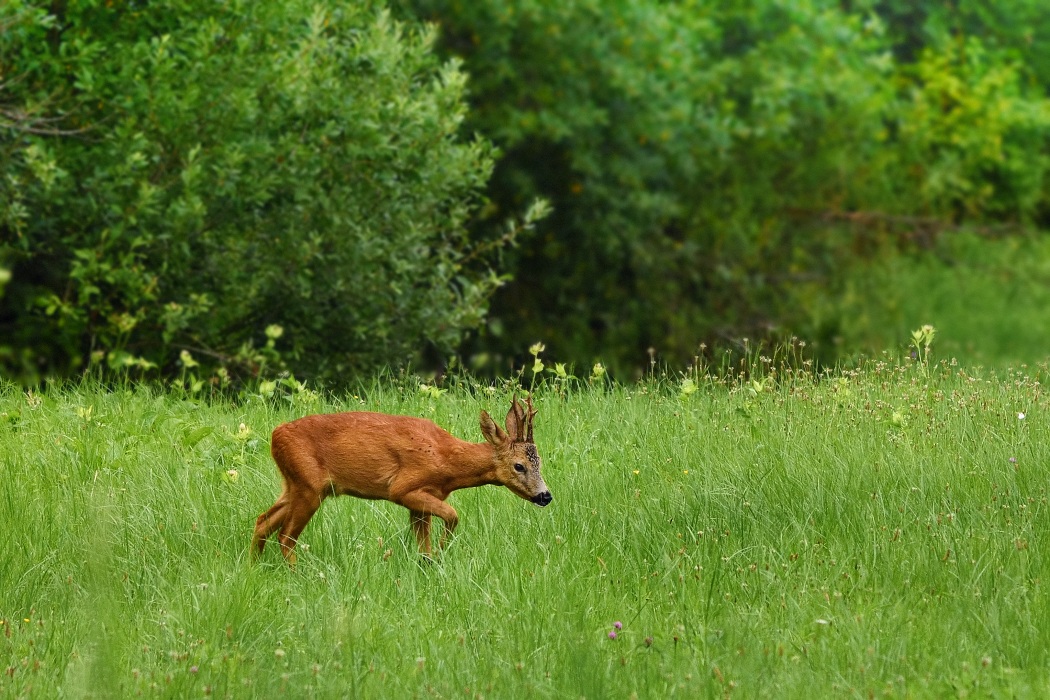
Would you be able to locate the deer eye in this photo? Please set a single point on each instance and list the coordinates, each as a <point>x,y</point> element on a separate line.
<point>519,467</point>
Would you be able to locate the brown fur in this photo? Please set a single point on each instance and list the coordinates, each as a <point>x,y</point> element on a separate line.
<point>406,460</point>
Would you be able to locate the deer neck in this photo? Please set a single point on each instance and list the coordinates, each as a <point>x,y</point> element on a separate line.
<point>472,464</point>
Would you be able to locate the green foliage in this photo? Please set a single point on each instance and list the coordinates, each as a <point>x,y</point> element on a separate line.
<point>987,298</point>
<point>1019,29</point>
<point>788,536</point>
<point>583,98</point>
<point>175,182</point>
<point>187,176</point>
<point>973,141</point>
<point>713,167</point>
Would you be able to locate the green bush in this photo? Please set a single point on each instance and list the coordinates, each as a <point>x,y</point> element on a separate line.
<point>580,98</point>
<point>971,136</point>
<point>202,176</point>
<point>678,143</point>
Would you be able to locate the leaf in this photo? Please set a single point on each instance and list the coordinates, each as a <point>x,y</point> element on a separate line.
<point>194,436</point>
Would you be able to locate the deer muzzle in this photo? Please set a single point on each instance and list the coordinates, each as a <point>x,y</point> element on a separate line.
<point>542,499</point>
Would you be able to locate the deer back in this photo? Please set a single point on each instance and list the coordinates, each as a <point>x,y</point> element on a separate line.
<point>360,453</point>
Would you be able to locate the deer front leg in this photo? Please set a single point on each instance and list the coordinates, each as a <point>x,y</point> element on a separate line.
<point>423,505</point>
<point>421,526</point>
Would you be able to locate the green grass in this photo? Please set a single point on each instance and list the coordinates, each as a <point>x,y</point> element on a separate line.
<point>862,533</point>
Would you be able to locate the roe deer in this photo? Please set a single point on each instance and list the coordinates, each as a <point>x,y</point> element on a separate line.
<point>409,461</point>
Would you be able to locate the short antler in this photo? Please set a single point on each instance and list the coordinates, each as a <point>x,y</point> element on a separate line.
<point>530,414</point>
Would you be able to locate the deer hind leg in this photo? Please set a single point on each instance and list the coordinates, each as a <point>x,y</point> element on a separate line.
<point>269,523</point>
<point>302,505</point>
<point>427,504</point>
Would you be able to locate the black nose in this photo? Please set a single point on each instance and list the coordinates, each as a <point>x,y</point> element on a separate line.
<point>543,499</point>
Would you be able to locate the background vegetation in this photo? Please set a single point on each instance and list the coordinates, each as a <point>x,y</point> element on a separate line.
<point>880,531</point>
<point>326,189</point>
<point>720,169</point>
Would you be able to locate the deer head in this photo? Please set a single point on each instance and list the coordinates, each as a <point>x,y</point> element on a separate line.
<point>514,452</point>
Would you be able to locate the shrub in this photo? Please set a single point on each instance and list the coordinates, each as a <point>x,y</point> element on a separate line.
<point>203,172</point>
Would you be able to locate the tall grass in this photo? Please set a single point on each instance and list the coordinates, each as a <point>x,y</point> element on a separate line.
<point>878,531</point>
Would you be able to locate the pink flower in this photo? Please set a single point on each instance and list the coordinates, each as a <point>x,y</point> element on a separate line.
<point>612,634</point>
<point>618,625</point>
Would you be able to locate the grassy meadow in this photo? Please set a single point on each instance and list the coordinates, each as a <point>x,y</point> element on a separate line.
<point>877,531</point>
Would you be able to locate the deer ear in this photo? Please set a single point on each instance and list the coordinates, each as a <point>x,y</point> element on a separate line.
<point>516,421</point>
<point>492,432</point>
